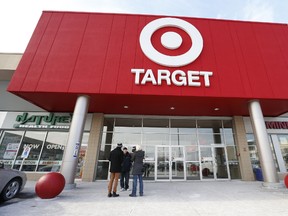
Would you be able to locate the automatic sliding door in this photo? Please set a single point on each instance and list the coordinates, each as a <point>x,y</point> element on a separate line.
<point>162,163</point>
<point>170,163</point>
<point>214,163</point>
<point>177,163</point>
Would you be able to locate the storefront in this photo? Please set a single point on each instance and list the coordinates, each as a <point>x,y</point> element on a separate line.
<point>45,134</point>
<point>182,88</point>
<point>277,129</point>
<point>176,148</point>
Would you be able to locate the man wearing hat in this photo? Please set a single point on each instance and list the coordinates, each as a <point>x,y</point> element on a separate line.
<point>125,173</point>
<point>116,159</point>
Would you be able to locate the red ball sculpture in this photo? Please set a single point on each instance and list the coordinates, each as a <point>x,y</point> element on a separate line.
<point>50,185</point>
<point>286,181</point>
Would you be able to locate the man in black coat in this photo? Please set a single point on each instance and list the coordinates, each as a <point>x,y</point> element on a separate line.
<point>126,166</point>
<point>116,159</point>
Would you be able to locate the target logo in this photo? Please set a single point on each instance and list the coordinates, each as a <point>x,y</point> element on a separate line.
<point>171,41</point>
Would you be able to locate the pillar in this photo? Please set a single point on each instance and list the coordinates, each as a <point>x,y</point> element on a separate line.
<point>243,149</point>
<point>72,149</point>
<point>265,153</point>
<point>93,148</point>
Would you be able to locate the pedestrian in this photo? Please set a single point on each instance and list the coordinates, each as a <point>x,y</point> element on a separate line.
<point>116,159</point>
<point>137,170</point>
<point>126,166</point>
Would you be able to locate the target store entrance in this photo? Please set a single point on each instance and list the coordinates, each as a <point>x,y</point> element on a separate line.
<point>176,148</point>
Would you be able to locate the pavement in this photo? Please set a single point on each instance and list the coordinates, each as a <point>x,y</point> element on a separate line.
<point>193,198</point>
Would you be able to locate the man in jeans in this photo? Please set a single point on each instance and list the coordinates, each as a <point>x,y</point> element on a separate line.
<point>137,170</point>
<point>116,159</point>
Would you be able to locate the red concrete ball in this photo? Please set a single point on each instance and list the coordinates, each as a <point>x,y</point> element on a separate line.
<point>286,181</point>
<point>50,185</point>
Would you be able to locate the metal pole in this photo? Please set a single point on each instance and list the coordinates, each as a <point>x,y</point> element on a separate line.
<point>266,157</point>
<point>70,158</point>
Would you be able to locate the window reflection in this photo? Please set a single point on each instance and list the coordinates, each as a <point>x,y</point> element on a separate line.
<point>9,145</point>
<point>34,140</point>
<point>51,158</point>
<point>155,139</point>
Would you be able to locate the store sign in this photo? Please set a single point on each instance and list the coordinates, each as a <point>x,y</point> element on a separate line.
<point>43,121</point>
<point>171,41</point>
<point>276,125</point>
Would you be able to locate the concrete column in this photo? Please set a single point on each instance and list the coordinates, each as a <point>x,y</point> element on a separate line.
<point>72,149</point>
<point>92,152</point>
<point>243,149</point>
<point>265,153</point>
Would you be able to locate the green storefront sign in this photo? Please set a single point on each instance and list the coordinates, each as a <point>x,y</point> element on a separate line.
<point>43,121</point>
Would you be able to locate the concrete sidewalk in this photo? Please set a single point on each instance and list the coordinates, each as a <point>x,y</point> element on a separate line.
<point>160,198</point>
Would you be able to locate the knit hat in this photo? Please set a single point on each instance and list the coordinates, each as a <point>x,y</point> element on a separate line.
<point>119,145</point>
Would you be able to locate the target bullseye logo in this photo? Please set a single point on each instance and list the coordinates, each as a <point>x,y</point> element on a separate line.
<point>171,40</point>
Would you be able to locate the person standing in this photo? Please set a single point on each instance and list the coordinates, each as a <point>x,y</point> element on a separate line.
<point>137,170</point>
<point>116,159</point>
<point>126,166</point>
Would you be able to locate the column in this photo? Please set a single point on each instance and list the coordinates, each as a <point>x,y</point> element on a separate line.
<point>70,158</point>
<point>243,149</point>
<point>93,148</point>
<point>265,153</point>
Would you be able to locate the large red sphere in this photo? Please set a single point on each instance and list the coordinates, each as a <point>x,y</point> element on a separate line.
<point>286,181</point>
<point>50,185</point>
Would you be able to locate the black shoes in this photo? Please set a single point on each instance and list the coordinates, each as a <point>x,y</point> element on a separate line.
<point>115,195</point>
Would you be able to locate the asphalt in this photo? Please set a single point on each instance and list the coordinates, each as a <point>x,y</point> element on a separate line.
<point>160,198</point>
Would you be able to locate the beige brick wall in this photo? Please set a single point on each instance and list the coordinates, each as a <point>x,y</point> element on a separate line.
<point>242,146</point>
<point>94,142</point>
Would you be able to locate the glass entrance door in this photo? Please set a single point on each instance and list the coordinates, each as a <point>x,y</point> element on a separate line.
<point>170,163</point>
<point>214,163</point>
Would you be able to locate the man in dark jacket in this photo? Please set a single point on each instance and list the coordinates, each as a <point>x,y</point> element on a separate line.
<point>126,166</point>
<point>116,159</point>
<point>137,170</point>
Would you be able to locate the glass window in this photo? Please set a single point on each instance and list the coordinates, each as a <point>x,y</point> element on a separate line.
<point>192,169</point>
<point>34,140</point>
<point>9,145</point>
<point>183,139</point>
<point>127,138</point>
<point>107,138</point>
<point>104,152</point>
<point>51,158</point>
<point>102,170</point>
<point>128,125</point>
<point>283,140</point>
<point>156,125</point>
<point>155,139</point>
<point>209,126</point>
<point>108,124</point>
<point>229,139</point>
<point>208,139</point>
<point>183,126</point>
<point>253,151</point>
<point>192,153</point>
<point>82,154</point>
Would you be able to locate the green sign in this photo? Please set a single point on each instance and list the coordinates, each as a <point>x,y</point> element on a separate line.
<point>36,121</point>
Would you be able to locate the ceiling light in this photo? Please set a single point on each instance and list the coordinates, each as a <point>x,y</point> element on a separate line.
<point>126,107</point>
<point>216,109</point>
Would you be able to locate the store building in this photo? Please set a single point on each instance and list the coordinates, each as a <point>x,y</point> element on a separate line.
<point>188,90</point>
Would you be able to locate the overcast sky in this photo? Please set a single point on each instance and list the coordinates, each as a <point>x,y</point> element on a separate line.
<point>18,18</point>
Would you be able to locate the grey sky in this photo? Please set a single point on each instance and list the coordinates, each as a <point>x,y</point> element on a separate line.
<point>18,18</point>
